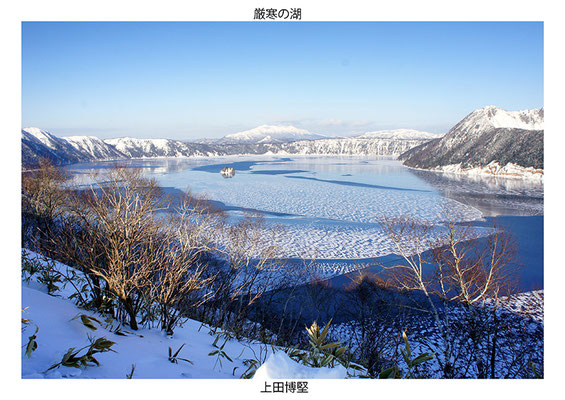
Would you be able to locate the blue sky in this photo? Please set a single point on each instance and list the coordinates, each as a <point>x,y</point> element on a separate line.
<point>197,79</point>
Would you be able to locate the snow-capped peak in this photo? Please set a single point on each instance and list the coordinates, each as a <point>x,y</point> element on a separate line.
<point>486,135</point>
<point>37,132</point>
<point>141,148</point>
<point>495,117</point>
<point>270,134</point>
<point>43,136</point>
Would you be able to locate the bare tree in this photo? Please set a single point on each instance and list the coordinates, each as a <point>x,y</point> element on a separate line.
<point>122,213</point>
<point>470,271</point>
<point>461,270</point>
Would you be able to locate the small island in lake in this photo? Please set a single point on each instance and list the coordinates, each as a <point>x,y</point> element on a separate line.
<point>227,172</point>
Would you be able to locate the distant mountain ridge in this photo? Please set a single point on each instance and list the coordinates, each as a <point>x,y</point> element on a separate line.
<point>487,136</point>
<point>37,143</point>
<point>488,140</point>
<point>93,148</point>
<point>403,134</point>
<point>270,134</point>
<point>147,148</point>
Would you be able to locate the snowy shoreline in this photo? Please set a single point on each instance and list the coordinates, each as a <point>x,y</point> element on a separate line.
<point>493,169</point>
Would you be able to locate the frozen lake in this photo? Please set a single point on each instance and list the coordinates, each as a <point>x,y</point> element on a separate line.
<point>329,207</point>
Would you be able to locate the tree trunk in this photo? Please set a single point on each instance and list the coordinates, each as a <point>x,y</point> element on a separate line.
<point>128,305</point>
<point>493,352</point>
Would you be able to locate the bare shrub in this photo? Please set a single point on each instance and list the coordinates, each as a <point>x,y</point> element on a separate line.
<point>136,245</point>
<point>280,309</point>
<point>374,316</point>
<point>248,269</point>
<point>180,281</point>
<point>44,195</point>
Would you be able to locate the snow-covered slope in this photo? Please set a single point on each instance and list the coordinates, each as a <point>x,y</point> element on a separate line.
<point>400,134</point>
<point>41,136</point>
<point>59,327</point>
<point>147,348</point>
<point>280,366</point>
<point>495,117</point>
<point>486,135</point>
<point>351,146</point>
<point>270,134</point>
<point>96,148</point>
<point>146,148</point>
<point>37,144</point>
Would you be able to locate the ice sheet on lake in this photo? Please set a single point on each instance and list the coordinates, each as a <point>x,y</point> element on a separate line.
<point>315,199</point>
<point>331,205</point>
<point>335,208</point>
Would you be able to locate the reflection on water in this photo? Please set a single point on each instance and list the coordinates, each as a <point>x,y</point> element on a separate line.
<point>153,165</point>
<point>491,195</point>
<point>343,165</point>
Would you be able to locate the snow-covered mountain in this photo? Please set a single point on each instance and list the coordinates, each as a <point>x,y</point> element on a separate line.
<point>37,144</point>
<point>269,134</point>
<point>486,135</point>
<point>351,146</point>
<point>400,134</point>
<point>147,148</point>
<point>72,149</point>
<point>326,146</point>
<point>93,147</point>
<point>495,117</point>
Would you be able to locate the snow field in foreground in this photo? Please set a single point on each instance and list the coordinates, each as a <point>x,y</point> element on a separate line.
<point>147,349</point>
<point>59,329</point>
<point>280,365</point>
